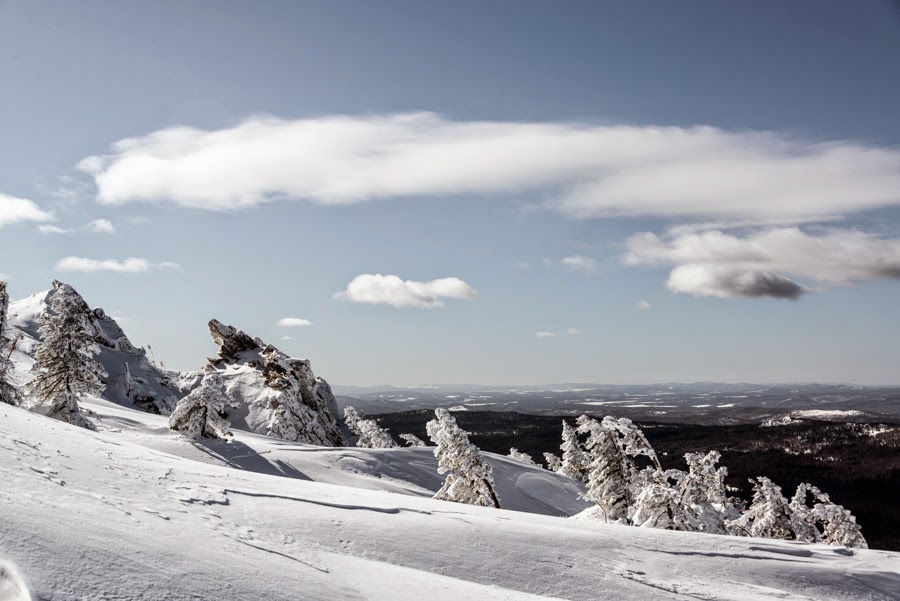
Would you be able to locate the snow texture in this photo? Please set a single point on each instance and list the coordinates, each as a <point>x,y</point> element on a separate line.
<point>165,518</point>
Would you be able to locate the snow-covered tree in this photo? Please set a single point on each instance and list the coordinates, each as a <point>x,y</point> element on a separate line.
<point>769,514</point>
<point>703,501</point>
<point>575,460</point>
<point>64,365</point>
<point>469,477</point>
<point>9,392</point>
<point>514,453</point>
<point>412,440</point>
<point>825,521</point>
<point>656,503</point>
<point>613,474</point>
<point>554,463</point>
<point>371,435</point>
<point>200,414</point>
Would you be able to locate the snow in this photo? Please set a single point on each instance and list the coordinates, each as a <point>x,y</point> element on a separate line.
<point>133,511</point>
<point>825,413</point>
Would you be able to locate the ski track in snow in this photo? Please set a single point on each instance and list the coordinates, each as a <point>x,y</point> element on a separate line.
<point>134,512</point>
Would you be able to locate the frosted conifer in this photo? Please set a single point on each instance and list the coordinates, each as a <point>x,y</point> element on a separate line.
<point>838,526</point>
<point>412,440</point>
<point>554,463</point>
<point>371,435</point>
<point>575,460</point>
<point>705,505</point>
<point>199,414</point>
<point>9,392</point>
<point>525,458</point>
<point>769,514</point>
<point>64,361</point>
<point>656,504</point>
<point>469,477</point>
<point>613,476</point>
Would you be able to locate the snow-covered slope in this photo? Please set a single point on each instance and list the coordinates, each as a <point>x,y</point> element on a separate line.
<point>134,512</point>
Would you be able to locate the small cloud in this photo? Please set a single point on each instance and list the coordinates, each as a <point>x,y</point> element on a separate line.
<point>293,322</point>
<point>169,266</point>
<point>4,277</point>
<point>573,332</point>
<point>547,262</point>
<point>580,263</point>
<point>52,229</point>
<point>545,334</point>
<point>100,226</point>
<point>286,338</point>
<point>15,210</point>
<point>643,305</point>
<point>137,219</point>
<point>377,289</point>
<point>129,265</point>
<point>522,265</point>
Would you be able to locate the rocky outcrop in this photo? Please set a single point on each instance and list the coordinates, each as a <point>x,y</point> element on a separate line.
<point>277,395</point>
<point>132,380</point>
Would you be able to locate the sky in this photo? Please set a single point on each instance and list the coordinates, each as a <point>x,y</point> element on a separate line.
<point>493,192</point>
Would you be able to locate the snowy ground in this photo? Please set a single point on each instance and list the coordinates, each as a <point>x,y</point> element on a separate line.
<point>134,512</point>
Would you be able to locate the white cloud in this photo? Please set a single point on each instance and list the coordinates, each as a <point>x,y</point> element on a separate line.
<point>16,210</point>
<point>4,277</point>
<point>522,265</point>
<point>46,228</point>
<point>129,265</point>
<point>763,262</point>
<point>286,338</point>
<point>293,322</point>
<point>580,263</point>
<point>590,170</point>
<point>573,332</point>
<point>643,305</point>
<point>545,334</point>
<point>100,226</point>
<point>394,291</point>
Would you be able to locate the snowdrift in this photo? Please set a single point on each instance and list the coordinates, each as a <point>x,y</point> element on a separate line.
<point>134,512</point>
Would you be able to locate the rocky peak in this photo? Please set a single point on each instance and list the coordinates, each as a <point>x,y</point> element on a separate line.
<point>279,395</point>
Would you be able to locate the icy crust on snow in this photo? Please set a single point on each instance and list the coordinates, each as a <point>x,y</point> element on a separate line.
<point>133,381</point>
<point>275,394</point>
<point>107,515</point>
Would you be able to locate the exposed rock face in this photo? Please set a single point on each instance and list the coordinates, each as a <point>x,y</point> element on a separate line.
<point>278,395</point>
<point>132,381</point>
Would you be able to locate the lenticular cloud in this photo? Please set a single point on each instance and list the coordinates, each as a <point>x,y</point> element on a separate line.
<point>586,170</point>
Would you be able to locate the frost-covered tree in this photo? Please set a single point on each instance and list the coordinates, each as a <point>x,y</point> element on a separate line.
<point>514,453</point>
<point>613,475</point>
<point>412,440</point>
<point>554,463</point>
<point>769,514</point>
<point>200,414</point>
<point>9,392</point>
<point>64,365</point>
<point>656,503</point>
<point>825,521</point>
<point>703,501</point>
<point>371,435</point>
<point>575,460</point>
<point>469,477</point>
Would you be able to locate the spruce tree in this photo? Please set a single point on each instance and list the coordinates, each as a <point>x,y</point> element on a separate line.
<point>575,460</point>
<point>371,435</point>
<point>469,477</point>
<point>412,440</point>
<point>64,365</point>
<point>521,457</point>
<point>9,392</point>
<point>200,414</point>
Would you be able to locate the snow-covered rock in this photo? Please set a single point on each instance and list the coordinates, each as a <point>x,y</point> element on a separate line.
<point>132,380</point>
<point>276,394</point>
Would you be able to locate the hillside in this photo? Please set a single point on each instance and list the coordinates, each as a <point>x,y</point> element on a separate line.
<point>134,512</point>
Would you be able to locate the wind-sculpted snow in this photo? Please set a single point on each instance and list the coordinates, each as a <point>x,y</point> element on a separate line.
<point>134,512</point>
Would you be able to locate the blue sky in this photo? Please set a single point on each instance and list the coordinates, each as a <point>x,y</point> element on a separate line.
<point>484,192</point>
